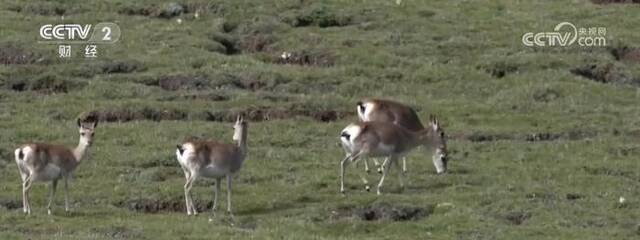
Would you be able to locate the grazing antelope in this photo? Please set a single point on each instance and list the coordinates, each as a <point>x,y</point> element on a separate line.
<point>212,159</point>
<point>384,139</point>
<point>47,162</point>
<point>388,111</point>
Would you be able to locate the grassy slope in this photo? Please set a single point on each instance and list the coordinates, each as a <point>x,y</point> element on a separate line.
<point>430,54</point>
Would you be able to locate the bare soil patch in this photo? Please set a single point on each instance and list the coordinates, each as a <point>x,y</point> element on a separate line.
<point>10,203</point>
<point>253,42</point>
<point>571,135</point>
<point>214,97</point>
<point>166,11</point>
<point>45,84</point>
<point>258,114</point>
<point>574,196</point>
<point>256,42</point>
<point>628,54</point>
<point>229,43</point>
<point>320,58</point>
<point>122,67</point>
<point>383,212</point>
<point>254,35</point>
<point>319,16</point>
<point>147,113</point>
<point>181,82</point>
<point>604,2</point>
<point>517,217</point>
<point>44,9</point>
<point>499,69</point>
<point>606,73</point>
<point>150,205</point>
<point>484,137</point>
<point>545,136</point>
<point>251,81</point>
<point>253,114</point>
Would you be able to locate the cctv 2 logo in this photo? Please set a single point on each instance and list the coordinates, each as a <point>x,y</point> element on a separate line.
<point>102,33</point>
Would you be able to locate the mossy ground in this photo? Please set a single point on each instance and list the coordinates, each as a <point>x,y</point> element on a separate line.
<point>461,60</point>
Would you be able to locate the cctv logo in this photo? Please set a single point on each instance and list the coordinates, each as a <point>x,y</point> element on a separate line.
<point>551,38</point>
<point>65,31</point>
<point>76,33</point>
<point>594,37</point>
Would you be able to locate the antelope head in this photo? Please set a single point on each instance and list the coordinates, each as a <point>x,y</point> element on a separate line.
<point>87,131</point>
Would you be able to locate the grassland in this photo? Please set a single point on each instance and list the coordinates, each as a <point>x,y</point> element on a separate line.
<point>538,152</point>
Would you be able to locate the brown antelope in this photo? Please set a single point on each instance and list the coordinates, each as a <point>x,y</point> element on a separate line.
<point>212,159</point>
<point>389,111</point>
<point>47,162</point>
<point>384,139</point>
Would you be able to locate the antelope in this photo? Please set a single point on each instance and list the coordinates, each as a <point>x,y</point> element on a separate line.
<point>212,159</point>
<point>384,139</point>
<point>42,162</point>
<point>388,111</point>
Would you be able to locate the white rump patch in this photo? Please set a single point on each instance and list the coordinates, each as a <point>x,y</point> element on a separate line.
<point>189,150</point>
<point>354,131</point>
<point>17,154</point>
<point>366,115</point>
<point>26,151</point>
<point>22,166</point>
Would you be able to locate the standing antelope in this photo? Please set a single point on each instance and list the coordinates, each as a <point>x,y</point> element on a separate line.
<point>389,111</point>
<point>383,139</point>
<point>212,159</point>
<point>48,162</point>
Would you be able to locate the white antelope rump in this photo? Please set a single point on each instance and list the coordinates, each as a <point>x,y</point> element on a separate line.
<point>394,112</point>
<point>212,159</point>
<point>383,139</point>
<point>44,162</point>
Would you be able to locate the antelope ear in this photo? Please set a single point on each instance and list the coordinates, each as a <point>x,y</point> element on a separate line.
<point>95,124</point>
<point>79,123</point>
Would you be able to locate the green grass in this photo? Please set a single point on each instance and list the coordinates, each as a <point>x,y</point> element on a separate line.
<point>437,56</point>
